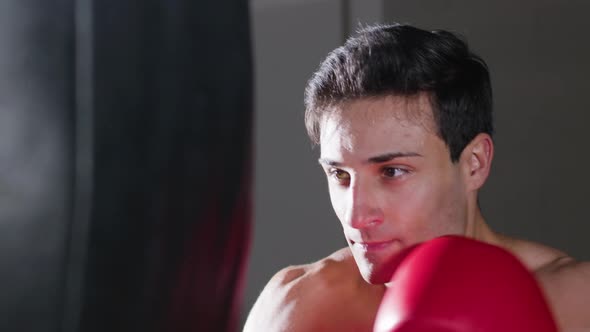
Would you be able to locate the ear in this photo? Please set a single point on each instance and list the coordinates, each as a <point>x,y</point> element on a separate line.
<point>476,161</point>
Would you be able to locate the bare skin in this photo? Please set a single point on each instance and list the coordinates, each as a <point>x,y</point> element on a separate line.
<point>392,185</point>
<point>310,297</point>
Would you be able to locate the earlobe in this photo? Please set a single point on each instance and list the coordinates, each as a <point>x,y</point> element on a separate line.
<point>479,160</point>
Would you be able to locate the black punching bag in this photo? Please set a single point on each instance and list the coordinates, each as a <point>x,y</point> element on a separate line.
<point>126,162</point>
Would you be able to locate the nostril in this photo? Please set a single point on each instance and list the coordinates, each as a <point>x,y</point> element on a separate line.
<point>365,223</point>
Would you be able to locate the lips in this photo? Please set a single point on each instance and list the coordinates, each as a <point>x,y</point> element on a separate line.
<point>373,246</point>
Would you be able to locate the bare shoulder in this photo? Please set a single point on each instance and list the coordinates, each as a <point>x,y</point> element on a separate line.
<point>565,281</point>
<point>535,256</point>
<point>301,298</point>
<point>294,292</point>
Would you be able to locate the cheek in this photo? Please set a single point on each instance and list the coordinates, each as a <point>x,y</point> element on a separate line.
<point>428,209</point>
<point>453,202</point>
<point>338,200</point>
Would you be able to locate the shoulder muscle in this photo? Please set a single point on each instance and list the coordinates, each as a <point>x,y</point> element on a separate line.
<point>567,286</point>
<point>303,298</point>
<point>274,305</point>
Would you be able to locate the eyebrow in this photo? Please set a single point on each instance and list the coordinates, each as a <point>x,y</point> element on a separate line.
<point>374,160</point>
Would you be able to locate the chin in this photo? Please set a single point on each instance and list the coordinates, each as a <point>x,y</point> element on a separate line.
<point>379,270</point>
<point>374,274</point>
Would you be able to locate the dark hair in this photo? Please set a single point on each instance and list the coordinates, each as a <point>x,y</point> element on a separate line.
<point>404,60</point>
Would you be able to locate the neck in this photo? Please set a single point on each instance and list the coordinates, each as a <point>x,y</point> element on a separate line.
<point>478,229</point>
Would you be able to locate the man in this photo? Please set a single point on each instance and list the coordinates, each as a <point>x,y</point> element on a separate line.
<point>403,118</point>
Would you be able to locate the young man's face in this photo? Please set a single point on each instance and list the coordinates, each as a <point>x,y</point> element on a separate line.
<point>392,183</point>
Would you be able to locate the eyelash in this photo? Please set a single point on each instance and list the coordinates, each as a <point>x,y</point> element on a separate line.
<point>395,170</point>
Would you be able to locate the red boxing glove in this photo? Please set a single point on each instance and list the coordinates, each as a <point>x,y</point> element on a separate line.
<point>456,284</point>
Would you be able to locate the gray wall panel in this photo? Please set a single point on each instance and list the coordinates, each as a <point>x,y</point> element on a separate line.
<point>538,55</point>
<point>293,219</point>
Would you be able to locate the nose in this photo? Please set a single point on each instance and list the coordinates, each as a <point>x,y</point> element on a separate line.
<point>363,209</point>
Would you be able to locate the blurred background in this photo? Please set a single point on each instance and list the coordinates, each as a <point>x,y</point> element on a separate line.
<point>154,166</point>
<point>125,164</point>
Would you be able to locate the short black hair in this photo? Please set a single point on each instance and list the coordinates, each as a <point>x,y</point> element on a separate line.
<point>403,60</point>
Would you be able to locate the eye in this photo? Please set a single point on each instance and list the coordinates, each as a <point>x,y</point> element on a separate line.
<point>339,175</point>
<point>393,172</point>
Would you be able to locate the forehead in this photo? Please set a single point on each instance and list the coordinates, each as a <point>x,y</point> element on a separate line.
<point>378,125</point>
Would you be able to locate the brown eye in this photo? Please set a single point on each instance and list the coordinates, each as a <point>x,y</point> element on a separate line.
<point>393,172</point>
<point>340,175</point>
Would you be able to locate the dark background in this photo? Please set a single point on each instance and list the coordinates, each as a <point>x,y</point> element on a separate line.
<point>125,164</point>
